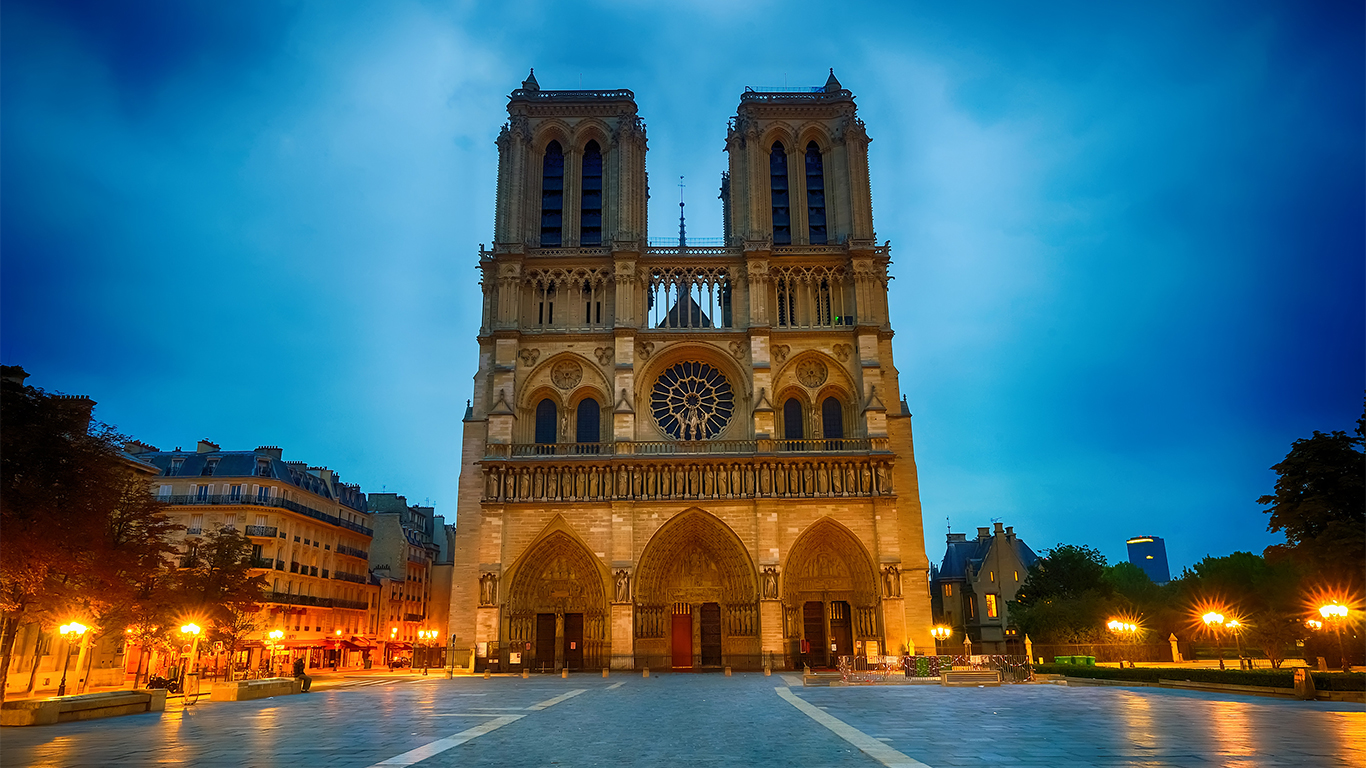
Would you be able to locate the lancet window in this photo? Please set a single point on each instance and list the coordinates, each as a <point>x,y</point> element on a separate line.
<point>815,195</point>
<point>582,295</point>
<point>552,195</point>
<point>793,428</point>
<point>689,297</point>
<point>590,200</point>
<point>587,426</point>
<point>546,418</point>
<point>812,297</point>
<point>782,215</point>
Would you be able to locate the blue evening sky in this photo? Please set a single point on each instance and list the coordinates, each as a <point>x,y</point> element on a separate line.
<point>1128,241</point>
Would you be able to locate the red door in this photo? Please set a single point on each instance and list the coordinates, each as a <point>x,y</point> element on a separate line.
<point>682,639</point>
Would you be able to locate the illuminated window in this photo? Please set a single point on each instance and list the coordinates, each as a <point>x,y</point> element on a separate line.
<point>1150,557</point>
<point>972,608</point>
<point>991,606</point>
<point>1017,575</point>
<point>948,590</point>
<point>552,194</point>
<point>992,576</point>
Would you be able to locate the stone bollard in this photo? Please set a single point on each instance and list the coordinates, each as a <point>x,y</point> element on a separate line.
<point>526,674</point>
<point>645,672</point>
<point>604,671</point>
<point>768,671</point>
<point>727,671</point>
<point>806,669</point>
<point>487,674</point>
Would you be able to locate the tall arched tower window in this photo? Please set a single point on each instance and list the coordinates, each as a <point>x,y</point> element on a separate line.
<point>552,194</point>
<point>587,427</point>
<point>792,420</point>
<point>545,421</point>
<point>815,194</point>
<point>782,214</point>
<point>590,219</point>
<point>832,419</point>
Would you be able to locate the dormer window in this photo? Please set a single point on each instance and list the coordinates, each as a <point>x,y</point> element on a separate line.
<point>175,466</point>
<point>209,467</point>
<point>263,468</point>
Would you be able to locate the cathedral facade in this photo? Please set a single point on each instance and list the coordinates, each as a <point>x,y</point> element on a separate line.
<point>685,457</point>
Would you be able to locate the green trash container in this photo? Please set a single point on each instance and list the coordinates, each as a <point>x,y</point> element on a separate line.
<point>1062,659</point>
<point>1089,661</point>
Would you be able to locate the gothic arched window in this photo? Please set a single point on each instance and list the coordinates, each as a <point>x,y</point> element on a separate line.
<point>782,217</point>
<point>590,204</point>
<point>587,427</point>
<point>792,420</point>
<point>552,194</point>
<point>832,421</point>
<point>546,416</point>
<point>815,194</point>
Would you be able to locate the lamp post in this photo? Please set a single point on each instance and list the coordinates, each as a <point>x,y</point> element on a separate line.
<point>1214,621</point>
<point>1126,632</point>
<point>1235,626</point>
<point>1335,614</point>
<point>941,634</point>
<point>273,642</point>
<point>72,632</point>
<point>190,630</point>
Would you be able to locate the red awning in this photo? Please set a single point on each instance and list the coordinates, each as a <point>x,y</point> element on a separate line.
<point>399,644</point>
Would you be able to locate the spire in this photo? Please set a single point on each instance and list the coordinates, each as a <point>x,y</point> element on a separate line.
<point>530,84</point>
<point>832,84</point>
<point>682,230</point>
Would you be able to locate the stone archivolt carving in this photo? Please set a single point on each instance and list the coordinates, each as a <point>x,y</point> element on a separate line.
<point>557,576</point>
<point>812,372</point>
<point>542,480</point>
<point>529,356</point>
<point>828,563</point>
<point>694,558</point>
<point>566,374</point>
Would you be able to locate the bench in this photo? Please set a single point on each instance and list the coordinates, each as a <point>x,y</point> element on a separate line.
<point>86,706</point>
<point>970,678</point>
<point>246,690</point>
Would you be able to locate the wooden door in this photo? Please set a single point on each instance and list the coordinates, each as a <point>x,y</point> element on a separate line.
<point>682,639</point>
<point>813,632</point>
<point>545,642</point>
<point>573,640</point>
<point>711,634</point>
<point>841,629</point>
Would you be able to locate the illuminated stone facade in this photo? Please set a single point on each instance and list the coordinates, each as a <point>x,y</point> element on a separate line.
<point>685,456</point>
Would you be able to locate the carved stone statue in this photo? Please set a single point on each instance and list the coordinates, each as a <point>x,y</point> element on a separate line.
<point>770,583</point>
<point>488,589</point>
<point>623,587</point>
<point>891,581</point>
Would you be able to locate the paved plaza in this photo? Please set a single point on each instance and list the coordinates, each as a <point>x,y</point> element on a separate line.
<point>708,720</point>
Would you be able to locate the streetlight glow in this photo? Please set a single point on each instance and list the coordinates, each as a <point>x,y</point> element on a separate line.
<point>1333,610</point>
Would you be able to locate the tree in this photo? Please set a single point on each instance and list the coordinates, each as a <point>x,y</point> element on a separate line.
<point>215,583</point>
<point>1320,504</point>
<point>58,485</point>
<point>1065,597</point>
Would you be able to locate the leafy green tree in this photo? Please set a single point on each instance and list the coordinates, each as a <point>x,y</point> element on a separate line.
<point>215,581</point>
<point>1320,505</point>
<point>1065,597</point>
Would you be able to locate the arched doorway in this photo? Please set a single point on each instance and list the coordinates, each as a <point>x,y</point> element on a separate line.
<point>556,608</point>
<point>696,597</point>
<point>830,597</point>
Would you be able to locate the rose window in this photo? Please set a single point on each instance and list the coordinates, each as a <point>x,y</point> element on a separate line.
<point>692,401</point>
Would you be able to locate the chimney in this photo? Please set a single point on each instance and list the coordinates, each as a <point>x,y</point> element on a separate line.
<point>1010,532</point>
<point>207,447</point>
<point>999,530</point>
<point>983,533</point>
<point>957,537</point>
<point>134,447</point>
<point>271,450</point>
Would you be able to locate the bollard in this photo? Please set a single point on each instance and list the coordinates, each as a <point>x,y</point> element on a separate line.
<point>806,669</point>
<point>487,674</point>
<point>564,673</point>
<point>727,671</point>
<point>768,671</point>
<point>604,671</point>
<point>645,672</point>
<point>526,674</point>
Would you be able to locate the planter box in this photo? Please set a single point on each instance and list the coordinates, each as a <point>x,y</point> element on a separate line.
<point>964,678</point>
<point>88,706</point>
<point>246,690</point>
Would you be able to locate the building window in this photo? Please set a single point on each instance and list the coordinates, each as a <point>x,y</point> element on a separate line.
<point>832,419</point>
<point>792,420</point>
<point>1017,577</point>
<point>209,467</point>
<point>235,493</point>
<point>587,428</point>
<point>992,575</point>
<point>175,466</point>
<point>782,218</point>
<point>262,493</point>
<point>545,421</point>
<point>263,467</point>
<point>202,493</point>
<point>991,607</point>
<point>552,195</point>
<point>545,306</point>
<point>196,525</point>
<point>815,194</point>
<point>948,590</point>
<point>692,401</point>
<point>590,217</point>
<point>164,492</point>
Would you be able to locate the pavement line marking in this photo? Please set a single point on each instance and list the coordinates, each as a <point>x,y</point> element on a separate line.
<point>615,686</point>
<point>867,744</point>
<point>464,714</point>
<point>502,709</point>
<point>548,703</point>
<point>441,745</point>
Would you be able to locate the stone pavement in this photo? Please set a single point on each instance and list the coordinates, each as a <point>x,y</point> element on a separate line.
<point>708,720</point>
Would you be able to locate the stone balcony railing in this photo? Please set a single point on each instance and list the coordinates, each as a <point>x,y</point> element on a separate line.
<point>276,502</point>
<point>710,472</point>
<point>686,448</point>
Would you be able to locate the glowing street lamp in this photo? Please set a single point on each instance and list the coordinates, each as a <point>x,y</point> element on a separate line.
<point>1214,622</point>
<point>1126,632</point>
<point>190,629</point>
<point>72,632</point>
<point>1335,614</point>
<point>273,639</point>
<point>941,634</point>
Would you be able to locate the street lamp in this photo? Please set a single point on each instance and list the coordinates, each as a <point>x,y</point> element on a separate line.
<point>1236,627</point>
<point>273,642</point>
<point>1214,622</point>
<point>1126,632</point>
<point>190,630</point>
<point>71,632</point>
<point>941,634</point>
<point>1335,614</point>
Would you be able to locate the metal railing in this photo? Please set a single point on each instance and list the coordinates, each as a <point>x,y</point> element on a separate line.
<point>414,617</point>
<point>288,599</point>
<point>263,562</point>
<point>685,447</point>
<point>351,577</point>
<point>342,549</point>
<point>263,531</point>
<point>276,502</point>
<point>352,605</point>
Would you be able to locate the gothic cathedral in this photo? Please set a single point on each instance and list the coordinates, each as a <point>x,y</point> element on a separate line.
<point>686,457</point>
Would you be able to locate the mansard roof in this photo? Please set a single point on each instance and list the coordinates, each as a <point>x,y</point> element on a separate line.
<point>243,464</point>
